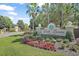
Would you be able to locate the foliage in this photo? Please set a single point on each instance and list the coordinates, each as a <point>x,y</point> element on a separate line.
<point>65,41</point>
<point>2,22</point>
<point>26,27</point>
<point>58,13</point>
<point>8,22</point>
<point>32,13</point>
<point>53,40</point>
<point>47,39</point>
<point>34,33</point>
<point>69,36</point>
<point>5,22</point>
<point>39,38</point>
<point>59,40</point>
<point>20,24</point>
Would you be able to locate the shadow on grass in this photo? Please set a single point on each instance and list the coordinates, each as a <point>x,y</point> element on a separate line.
<point>16,35</point>
<point>17,40</point>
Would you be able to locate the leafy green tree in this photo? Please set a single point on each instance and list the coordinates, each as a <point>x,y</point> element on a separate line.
<point>59,13</point>
<point>31,11</point>
<point>5,22</point>
<point>76,13</point>
<point>8,22</point>
<point>26,27</point>
<point>20,24</point>
<point>2,22</point>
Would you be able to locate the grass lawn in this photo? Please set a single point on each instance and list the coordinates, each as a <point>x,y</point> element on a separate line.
<point>11,46</point>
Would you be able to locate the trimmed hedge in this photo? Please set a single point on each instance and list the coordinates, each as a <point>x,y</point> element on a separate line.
<point>69,36</point>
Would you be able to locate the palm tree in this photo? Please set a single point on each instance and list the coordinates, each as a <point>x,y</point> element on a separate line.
<point>34,11</point>
<point>31,11</point>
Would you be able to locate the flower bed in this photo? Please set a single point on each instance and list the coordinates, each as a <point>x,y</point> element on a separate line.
<point>39,44</point>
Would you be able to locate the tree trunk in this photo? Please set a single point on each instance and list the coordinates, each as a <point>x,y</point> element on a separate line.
<point>61,15</point>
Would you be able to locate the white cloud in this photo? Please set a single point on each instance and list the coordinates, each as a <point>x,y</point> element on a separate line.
<point>6,7</point>
<point>13,13</point>
<point>22,18</point>
<point>11,18</point>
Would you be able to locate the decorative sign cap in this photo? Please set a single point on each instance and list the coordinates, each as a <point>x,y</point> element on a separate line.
<point>51,26</point>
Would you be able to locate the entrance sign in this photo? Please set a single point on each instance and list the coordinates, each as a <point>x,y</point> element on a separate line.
<point>51,30</point>
<point>56,32</point>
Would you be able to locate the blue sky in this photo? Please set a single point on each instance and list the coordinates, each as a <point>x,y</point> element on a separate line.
<point>15,11</point>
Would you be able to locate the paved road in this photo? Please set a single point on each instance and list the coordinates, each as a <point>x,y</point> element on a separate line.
<point>9,34</point>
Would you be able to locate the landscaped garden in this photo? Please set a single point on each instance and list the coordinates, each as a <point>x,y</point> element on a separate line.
<point>31,44</point>
<point>12,46</point>
<point>50,43</point>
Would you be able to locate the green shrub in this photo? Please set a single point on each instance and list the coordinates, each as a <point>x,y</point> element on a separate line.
<point>47,39</point>
<point>34,33</point>
<point>32,37</point>
<point>63,45</point>
<point>59,40</point>
<point>29,36</point>
<point>39,38</point>
<point>69,36</point>
<point>53,40</point>
<point>50,39</point>
<point>67,45</point>
<point>65,41</point>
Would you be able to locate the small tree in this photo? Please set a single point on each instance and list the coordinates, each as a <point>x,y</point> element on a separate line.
<point>5,22</point>
<point>8,22</point>
<point>20,24</point>
<point>2,22</point>
<point>26,27</point>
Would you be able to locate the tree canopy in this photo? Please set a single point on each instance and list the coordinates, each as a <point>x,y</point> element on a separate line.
<point>20,24</point>
<point>59,13</point>
<point>5,22</point>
